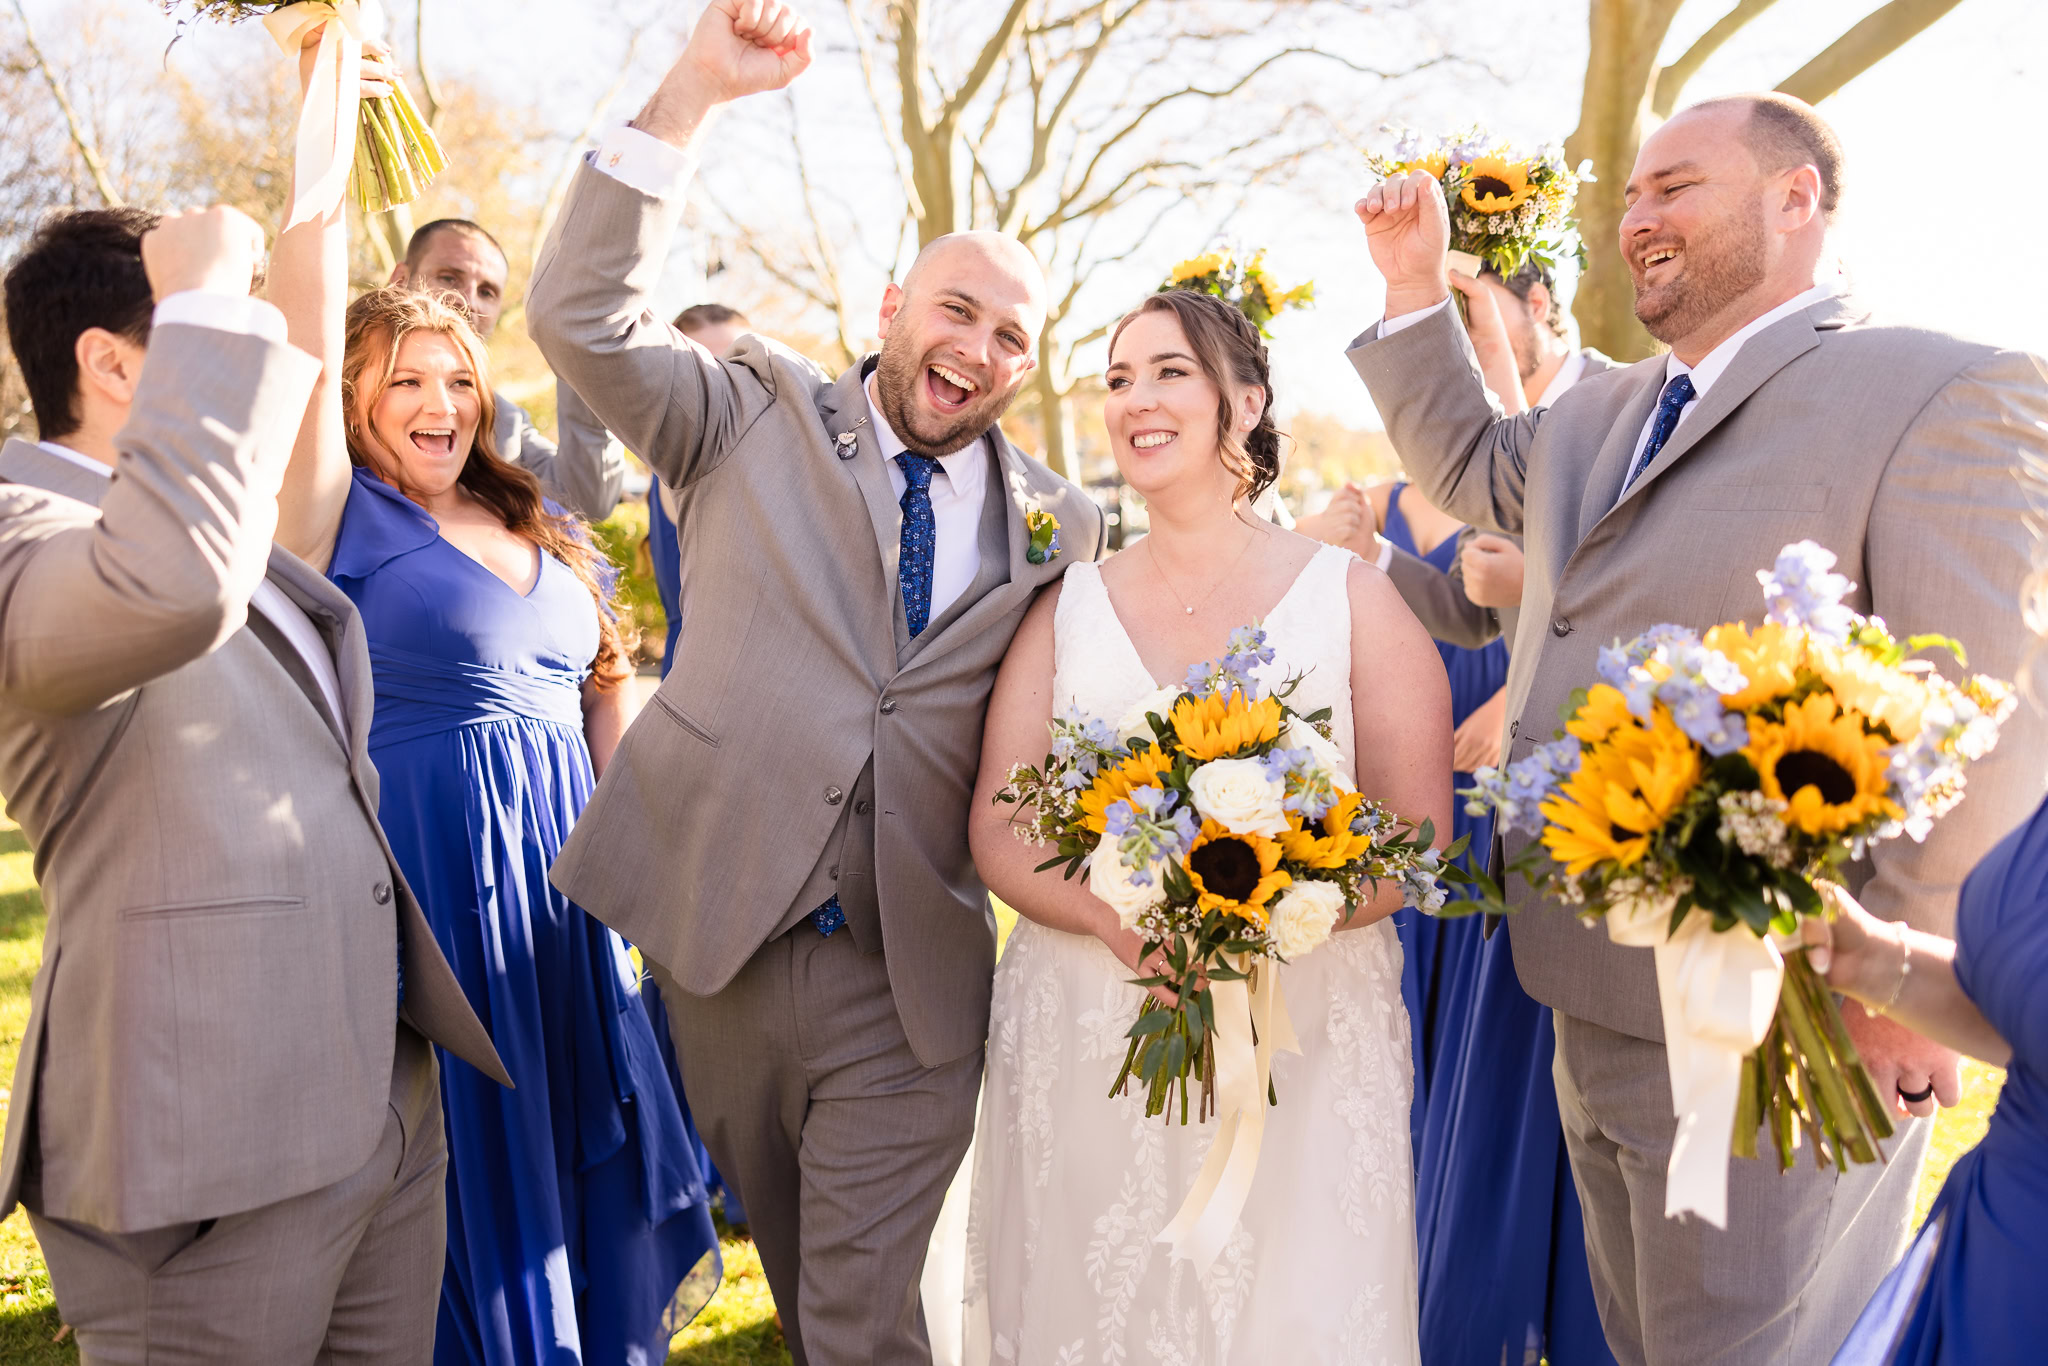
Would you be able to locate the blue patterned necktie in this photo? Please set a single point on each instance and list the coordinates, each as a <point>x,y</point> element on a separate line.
<point>1677,394</point>
<point>920,540</point>
<point>914,571</point>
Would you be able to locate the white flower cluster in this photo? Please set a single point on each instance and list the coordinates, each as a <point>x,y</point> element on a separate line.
<point>1240,796</point>
<point>1304,915</point>
<point>1755,824</point>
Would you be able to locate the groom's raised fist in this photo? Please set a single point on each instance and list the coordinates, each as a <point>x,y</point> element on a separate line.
<point>213,249</point>
<point>743,47</point>
<point>1408,231</point>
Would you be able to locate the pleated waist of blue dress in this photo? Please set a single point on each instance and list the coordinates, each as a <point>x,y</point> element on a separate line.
<point>419,695</point>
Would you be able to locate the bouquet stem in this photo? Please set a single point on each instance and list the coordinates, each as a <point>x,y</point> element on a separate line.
<point>397,155</point>
<point>1808,1075</point>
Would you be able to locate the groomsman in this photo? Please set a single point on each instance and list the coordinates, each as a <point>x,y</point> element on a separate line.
<point>586,473</point>
<point>784,830</point>
<point>225,1120</point>
<point>1654,493</point>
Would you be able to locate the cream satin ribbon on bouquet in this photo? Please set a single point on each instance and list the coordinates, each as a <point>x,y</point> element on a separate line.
<point>1718,992</point>
<point>1251,1025</point>
<point>324,150</point>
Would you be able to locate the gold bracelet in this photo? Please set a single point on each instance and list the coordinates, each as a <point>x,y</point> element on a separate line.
<point>1905,971</point>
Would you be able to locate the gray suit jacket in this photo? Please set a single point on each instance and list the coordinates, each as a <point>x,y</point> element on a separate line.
<point>793,701</point>
<point>585,473</point>
<point>1893,447</point>
<point>212,1026</point>
<point>1437,598</point>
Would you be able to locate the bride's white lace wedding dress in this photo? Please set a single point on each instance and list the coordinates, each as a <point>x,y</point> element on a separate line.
<point>1071,1188</point>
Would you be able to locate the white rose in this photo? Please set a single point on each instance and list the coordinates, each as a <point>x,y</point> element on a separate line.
<point>1301,735</point>
<point>1134,726</point>
<point>1304,916</point>
<point>1112,881</point>
<point>1237,795</point>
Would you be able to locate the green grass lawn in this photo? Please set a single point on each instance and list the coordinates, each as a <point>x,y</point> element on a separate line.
<point>736,1329</point>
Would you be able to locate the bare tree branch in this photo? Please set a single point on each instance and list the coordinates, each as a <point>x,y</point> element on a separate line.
<point>88,151</point>
<point>985,64</point>
<point>866,52</point>
<point>429,90</point>
<point>1882,32</point>
<point>1673,78</point>
<point>544,221</point>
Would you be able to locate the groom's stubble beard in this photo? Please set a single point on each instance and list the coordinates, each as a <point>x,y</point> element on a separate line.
<point>897,375</point>
<point>1721,264</point>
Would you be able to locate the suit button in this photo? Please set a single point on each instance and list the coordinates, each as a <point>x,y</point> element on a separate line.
<point>834,874</point>
<point>833,796</point>
<point>888,706</point>
<point>1561,627</point>
<point>1513,728</point>
<point>381,894</point>
<point>863,806</point>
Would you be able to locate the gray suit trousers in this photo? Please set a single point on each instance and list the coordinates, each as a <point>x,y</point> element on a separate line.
<point>839,1141</point>
<point>1803,1251</point>
<point>347,1273</point>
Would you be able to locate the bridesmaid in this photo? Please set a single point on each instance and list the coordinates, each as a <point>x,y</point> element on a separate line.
<point>578,1226</point>
<point>1495,1204</point>
<point>1969,1290</point>
<point>1437,955</point>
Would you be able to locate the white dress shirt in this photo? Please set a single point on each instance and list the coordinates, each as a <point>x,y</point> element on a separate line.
<point>1571,372</point>
<point>957,492</point>
<point>253,317</point>
<point>643,162</point>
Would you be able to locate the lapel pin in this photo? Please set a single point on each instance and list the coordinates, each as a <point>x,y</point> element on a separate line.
<point>845,444</point>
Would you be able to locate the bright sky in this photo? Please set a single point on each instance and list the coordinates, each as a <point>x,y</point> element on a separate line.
<point>1947,194</point>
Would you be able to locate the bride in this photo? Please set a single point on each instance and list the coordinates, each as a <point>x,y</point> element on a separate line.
<point>1071,1188</point>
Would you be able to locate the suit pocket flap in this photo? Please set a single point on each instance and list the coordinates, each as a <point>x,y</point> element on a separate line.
<point>1759,498</point>
<point>685,720</point>
<point>234,905</point>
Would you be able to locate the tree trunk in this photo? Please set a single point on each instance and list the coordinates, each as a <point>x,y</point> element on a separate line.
<point>1055,424</point>
<point>1621,76</point>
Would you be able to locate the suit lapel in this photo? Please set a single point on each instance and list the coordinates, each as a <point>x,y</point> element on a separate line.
<point>25,462</point>
<point>341,629</point>
<point>844,411</point>
<point>1603,481</point>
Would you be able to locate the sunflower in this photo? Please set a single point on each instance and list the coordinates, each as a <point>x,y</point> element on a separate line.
<point>1605,711</point>
<point>1235,873</point>
<point>1820,762</point>
<point>1198,267</point>
<point>1860,683</point>
<point>1336,846</point>
<point>1622,794</point>
<point>1218,726</point>
<point>1118,781</point>
<point>1494,185</point>
<point>1769,658</point>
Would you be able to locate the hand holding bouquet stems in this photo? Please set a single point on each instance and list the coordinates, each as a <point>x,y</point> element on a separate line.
<point>1699,790</point>
<point>394,155</point>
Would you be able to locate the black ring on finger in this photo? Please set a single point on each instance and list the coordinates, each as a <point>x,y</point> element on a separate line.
<point>1915,1097</point>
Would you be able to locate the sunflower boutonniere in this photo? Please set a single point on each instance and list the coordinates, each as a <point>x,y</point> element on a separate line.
<point>1045,535</point>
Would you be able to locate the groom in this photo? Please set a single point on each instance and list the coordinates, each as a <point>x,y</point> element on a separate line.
<point>784,831</point>
<point>1654,493</point>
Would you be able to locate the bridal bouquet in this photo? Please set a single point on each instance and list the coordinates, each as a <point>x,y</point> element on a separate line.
<point>1218,823</point>
<point>1696,792</point>
<point>1507,207</point>
<point>395,154</point>
<point>1243,284</point>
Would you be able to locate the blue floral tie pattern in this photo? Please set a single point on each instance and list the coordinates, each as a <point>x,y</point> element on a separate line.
<point>920,540</point>
<point>1677,394</point>
<point>829,916</point>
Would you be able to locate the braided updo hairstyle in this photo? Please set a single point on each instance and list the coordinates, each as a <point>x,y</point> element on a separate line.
<point>1232,354</point>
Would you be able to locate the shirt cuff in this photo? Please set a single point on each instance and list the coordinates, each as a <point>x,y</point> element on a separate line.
<point>1386,555</point>
<point>643,162</point>
<point>1392,325</point>
<point>251,317</point>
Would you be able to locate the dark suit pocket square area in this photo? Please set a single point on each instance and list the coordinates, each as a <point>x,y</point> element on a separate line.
<point>1758,498</point>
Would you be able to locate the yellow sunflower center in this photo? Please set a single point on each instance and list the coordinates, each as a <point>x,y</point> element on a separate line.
<point>1809,768</point>
<point>1486,186</point>
<point>1228,867</point>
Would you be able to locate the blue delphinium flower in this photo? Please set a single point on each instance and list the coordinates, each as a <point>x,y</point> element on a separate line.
<point>1693,682</point>
<point>1519,790</point>
<point>1149,826</point>
<point>1311,789</point>
<point>1419,886</point>
<point>1802,589</point>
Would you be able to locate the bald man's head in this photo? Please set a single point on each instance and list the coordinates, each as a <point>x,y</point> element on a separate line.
<point>959,336</point>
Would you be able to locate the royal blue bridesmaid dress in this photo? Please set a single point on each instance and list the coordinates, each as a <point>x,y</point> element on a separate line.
<point>578,1226</point>
<point>1494,1202</point>
<point>1973,1288</point>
